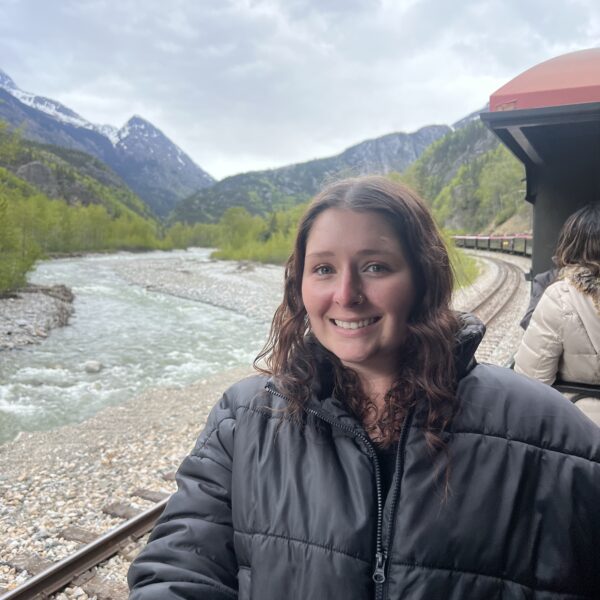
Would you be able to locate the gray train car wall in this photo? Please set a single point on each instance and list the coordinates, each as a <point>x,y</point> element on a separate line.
<point>549,117</point>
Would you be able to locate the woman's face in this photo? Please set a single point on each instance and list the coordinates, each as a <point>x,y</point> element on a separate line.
<point>358,290</point>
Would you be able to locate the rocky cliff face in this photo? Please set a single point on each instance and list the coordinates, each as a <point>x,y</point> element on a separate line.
<point>56,185</point>
<point>393,152</point>
<point>147,160</point>
<point>263,191</point>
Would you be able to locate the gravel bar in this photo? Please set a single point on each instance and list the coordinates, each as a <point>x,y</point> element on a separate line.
<point>27,316</point>
<point>63,478</point>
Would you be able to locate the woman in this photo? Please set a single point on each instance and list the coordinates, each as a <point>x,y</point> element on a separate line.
<point>375,459</point>
<point>563,338</point>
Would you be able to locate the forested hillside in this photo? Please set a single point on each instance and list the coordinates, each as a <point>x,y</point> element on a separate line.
<point>56,201</point>
<point>472,182</point>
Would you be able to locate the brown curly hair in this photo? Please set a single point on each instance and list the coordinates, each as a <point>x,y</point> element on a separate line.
<point>579,239</point>
<point>426,368</point>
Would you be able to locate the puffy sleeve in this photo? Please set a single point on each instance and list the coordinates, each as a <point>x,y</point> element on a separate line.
<point>190,554</point>
<point>539,354</point>
<point>539,284</point>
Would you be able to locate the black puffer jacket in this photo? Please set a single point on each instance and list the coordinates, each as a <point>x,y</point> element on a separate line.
<point>269,510</point>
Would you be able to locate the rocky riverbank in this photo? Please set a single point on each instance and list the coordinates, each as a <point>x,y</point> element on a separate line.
<point>28,315</point>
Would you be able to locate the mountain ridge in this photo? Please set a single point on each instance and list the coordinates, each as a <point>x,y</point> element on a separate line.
<point>154,167</point>
<point>267,190</point>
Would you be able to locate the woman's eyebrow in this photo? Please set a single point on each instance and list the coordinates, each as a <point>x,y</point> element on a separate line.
<point>365,252</point>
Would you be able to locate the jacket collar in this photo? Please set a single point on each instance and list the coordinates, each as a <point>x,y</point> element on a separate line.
<point>468,338</point>
<point>583,280</point>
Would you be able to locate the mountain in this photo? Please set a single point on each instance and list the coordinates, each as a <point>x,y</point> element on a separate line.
<point>148,161</point>
<point>263,191</point>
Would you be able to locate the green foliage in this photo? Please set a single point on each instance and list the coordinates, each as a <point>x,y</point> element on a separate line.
<point>244,236</point>
<point>436,167</point>
<point>260,193</point>
<point>465,267</point>
<point>9,144</point>
<point>203,235</point>
<point>18,252</point>
<point>241,236</point>
<point>484,193</point>
<point>239,227</point>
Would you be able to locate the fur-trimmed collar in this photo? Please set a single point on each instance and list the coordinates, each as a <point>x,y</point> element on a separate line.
<point>584,280</point>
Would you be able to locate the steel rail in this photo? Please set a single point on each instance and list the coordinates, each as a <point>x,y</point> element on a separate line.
<point>512,292</point>
<point>497,284</point>
<point>57,576</point>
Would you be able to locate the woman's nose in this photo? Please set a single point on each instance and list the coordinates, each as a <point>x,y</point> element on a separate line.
<point>348,292</point>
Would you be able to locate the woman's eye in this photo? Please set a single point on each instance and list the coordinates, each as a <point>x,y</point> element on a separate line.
<point>376,268</point>
<point>322,270</point>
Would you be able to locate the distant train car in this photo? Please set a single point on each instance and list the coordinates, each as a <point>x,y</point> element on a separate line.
<point>549,117</point>
<point>520,243</point>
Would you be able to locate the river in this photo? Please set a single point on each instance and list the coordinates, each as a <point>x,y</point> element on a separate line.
<point>142,339</point>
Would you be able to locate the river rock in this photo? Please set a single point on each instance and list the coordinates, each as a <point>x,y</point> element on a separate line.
<point>93,366</point>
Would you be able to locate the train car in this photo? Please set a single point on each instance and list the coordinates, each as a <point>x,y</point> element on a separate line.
<point>519,243</point>
<point>549,117</point>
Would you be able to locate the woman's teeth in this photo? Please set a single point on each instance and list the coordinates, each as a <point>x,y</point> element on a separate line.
<point>354,324</point>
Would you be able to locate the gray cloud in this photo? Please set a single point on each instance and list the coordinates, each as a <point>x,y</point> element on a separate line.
<point>245,84</point>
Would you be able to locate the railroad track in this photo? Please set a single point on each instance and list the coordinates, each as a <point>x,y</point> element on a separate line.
<point>501,294</point>
<point>76,569</point>
<point>496,308</point>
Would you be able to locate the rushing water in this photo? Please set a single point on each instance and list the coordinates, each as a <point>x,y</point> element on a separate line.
<point>142,339</point>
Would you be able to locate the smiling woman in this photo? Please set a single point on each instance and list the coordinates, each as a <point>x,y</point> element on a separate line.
<point>373,457</point>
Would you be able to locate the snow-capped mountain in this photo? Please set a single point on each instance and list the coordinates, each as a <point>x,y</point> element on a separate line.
<point>151,164</point>
<point>110,131</point>
<point>55,109</point>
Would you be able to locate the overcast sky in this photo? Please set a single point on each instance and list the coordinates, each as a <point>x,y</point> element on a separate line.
<point>242,85</point>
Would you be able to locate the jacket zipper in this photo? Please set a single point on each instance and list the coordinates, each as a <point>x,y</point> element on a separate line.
<point>380,553</point>
<point>396,490</point>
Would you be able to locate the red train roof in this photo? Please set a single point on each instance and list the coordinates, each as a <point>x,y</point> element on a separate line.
<point>572,78</point>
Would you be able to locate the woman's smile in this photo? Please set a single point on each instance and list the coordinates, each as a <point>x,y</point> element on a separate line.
<point>354,325</point>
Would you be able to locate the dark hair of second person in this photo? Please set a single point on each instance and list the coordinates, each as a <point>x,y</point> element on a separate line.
<point>579,239</point>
